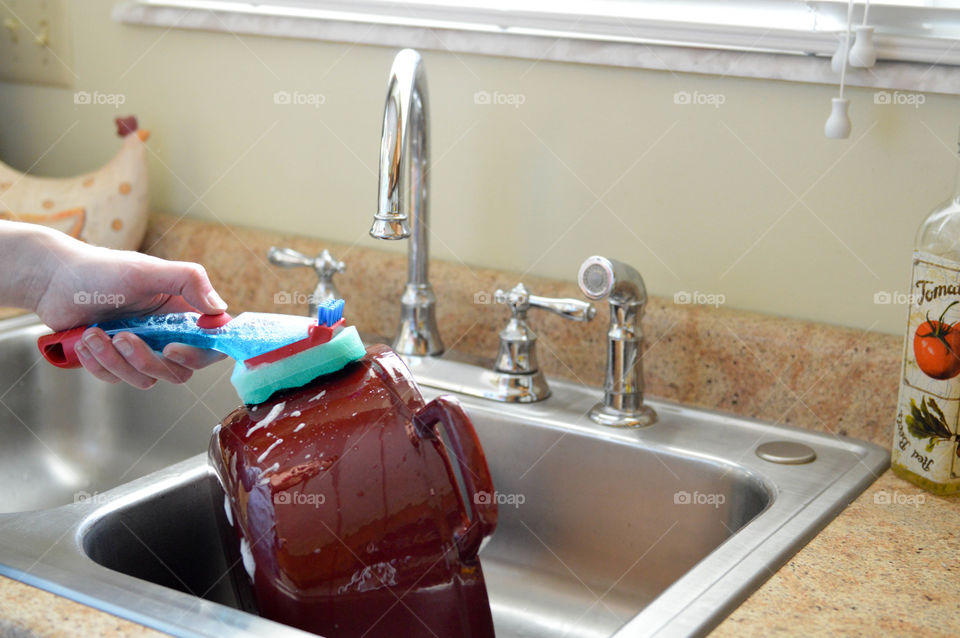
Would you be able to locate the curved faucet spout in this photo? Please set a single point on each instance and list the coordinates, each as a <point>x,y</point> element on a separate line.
<point>402,202</point>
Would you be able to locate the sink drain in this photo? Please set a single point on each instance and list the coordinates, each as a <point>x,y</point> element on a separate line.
<point>786,452</point>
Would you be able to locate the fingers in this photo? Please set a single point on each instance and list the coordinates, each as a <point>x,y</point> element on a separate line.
<point>139,355</point>
<point>189,281</point>
<point>126,358</point>
<point>93,366</point>
<point>193,358</point>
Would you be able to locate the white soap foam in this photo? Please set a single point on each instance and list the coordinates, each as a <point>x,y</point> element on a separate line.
<point>268,450</point>
<point>299,427</point>
<point>295,413</point>
<point>319,396</point>
<point>264,479</point>
<point>248,563</point>
<point>270,418</point>
<point>226,509</point>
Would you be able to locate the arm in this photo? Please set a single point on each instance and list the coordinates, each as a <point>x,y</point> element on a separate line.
<point>70,283</point>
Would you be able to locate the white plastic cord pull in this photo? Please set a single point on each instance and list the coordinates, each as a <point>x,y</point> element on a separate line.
<point>863,54</point>
<point>838,124</point>
<point>836,62</point>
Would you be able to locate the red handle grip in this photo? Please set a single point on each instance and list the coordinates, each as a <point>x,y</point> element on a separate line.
<point>473,468</point>
<point>59,348</point>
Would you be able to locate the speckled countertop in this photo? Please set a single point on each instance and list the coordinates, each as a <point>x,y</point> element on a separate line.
<point>889,564</point>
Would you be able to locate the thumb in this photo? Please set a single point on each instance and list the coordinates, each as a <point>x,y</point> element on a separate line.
<point>189,281</point>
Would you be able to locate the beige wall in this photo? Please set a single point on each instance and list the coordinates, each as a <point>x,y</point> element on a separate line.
<point>596,160</point>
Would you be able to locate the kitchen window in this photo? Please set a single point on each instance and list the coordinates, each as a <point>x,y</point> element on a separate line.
<point>679,35</point>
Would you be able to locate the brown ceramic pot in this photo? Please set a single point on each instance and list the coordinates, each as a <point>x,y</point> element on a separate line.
<point>347,507</point>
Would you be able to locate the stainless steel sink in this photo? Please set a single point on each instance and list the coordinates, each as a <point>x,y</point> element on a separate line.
<point>68,436</point>
<point>603,532</point>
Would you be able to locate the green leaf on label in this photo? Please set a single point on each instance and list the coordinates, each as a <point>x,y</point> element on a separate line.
<point>927,421</point>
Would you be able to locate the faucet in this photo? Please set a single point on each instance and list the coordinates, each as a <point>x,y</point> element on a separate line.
<point>623,287</point>
<point>402,202</point>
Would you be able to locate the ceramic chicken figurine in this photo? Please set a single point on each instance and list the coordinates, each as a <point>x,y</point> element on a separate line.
<point>107,207</point>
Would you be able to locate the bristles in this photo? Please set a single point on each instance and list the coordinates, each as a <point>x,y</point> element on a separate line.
<point>330,312</point>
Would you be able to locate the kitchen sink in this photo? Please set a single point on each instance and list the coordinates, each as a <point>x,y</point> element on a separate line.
<point>603,532</point>
<point>68,436</point>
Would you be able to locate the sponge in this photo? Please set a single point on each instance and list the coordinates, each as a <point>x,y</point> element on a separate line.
<point>257,383</point>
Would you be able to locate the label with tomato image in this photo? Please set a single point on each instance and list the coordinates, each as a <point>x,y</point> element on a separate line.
<point>928,410</point>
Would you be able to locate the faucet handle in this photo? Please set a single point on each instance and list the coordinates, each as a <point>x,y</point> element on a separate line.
<point>323,264</point>
<point>517,375</point>
<point>520,301</point>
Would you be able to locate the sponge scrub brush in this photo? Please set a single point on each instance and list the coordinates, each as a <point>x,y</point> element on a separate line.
<point>328,347</point>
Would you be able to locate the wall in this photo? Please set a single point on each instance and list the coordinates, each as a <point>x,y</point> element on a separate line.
<point>747,200</point>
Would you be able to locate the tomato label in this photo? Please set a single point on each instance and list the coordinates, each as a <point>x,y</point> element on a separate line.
<point>925,440</point>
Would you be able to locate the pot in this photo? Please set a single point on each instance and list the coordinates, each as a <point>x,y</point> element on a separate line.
<point>347,509</point>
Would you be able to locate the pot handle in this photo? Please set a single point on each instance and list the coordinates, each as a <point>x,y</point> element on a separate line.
<point>473,469</point>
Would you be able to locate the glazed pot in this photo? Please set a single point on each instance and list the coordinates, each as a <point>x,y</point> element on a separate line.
<point>347,510</point>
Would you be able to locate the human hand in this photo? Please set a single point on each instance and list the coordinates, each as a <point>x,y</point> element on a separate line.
<point>90,284</point>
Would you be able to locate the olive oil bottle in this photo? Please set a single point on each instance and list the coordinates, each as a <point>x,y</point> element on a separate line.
<point>925,440</point>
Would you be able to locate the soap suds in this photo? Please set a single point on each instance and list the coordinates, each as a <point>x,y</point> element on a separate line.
<point>319,396</point>
<point>299,427</point>
<point>370,578</point>
<point>264,479</point>
<point>248,563</point>
<point>267,420</point>
<point>268,450</point>
<point>226,509</point>
<point>295,413</point>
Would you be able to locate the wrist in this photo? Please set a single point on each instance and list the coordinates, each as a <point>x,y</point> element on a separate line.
<point>33,253</point>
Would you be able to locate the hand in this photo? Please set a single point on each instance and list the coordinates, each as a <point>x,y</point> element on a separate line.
<point>89,284</point>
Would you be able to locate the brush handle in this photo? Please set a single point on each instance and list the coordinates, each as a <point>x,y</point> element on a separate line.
<point>156,331</point>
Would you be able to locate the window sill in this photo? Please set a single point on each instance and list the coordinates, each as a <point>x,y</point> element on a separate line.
<point>910,76</point>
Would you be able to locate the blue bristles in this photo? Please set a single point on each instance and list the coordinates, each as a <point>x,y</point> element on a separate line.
<point>330,312</point>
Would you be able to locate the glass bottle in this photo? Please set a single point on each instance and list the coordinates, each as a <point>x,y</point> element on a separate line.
<point>925,441</point>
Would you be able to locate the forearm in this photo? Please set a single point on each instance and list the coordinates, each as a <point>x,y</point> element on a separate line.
<point>29,255</point>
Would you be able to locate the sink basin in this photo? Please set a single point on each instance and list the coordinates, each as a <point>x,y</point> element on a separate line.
<point>68,436</point>
<point>603,532</point>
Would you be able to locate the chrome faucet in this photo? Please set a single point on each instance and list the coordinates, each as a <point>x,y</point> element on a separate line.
<point>623,287</point>
<point>402,203</point>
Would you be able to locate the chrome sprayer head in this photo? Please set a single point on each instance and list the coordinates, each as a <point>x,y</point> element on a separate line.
<point>600,278</point>
<point>622,286</point>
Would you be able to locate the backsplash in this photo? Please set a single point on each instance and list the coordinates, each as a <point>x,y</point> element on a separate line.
<point>806,374</point>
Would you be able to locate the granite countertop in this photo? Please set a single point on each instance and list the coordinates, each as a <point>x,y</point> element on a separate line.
<point>888,564</point>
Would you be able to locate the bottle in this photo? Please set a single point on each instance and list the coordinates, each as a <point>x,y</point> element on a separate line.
<point>925,441</point>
